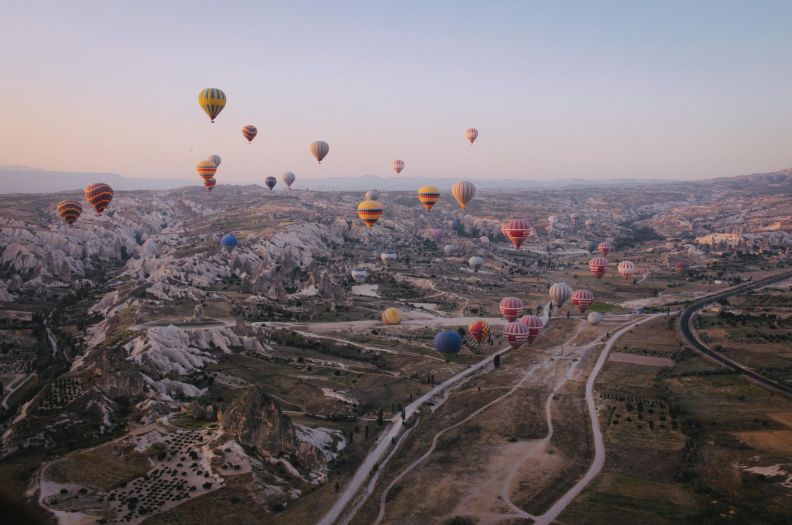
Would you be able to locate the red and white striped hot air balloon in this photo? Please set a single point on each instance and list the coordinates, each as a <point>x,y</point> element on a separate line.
<point>534,325</point>
<point>598,266</point>
<point>604,247</point>
<point>511,308</point>
<point>516,230</point>
<point>398,166</point>
<point>471,134</point>
<point>516,334</point>
<point>626,269</point>
<point>582,299</point>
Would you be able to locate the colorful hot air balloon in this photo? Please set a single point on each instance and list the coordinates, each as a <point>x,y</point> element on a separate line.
<point>370,212</point>
<point>475,263</point>
<point>359,274</point>
<point>471,134</point>
<point>511,308</point>
<point>437,234</point>
<point>249,132</point>
<point>372,195</point>
<point>591,246</point>
<point>212,100</point>
<point>99,196</point>
<point>516,230</point>
<point>598,265</point>
<point>206,169</point>
<point>448,249</point>
<point>270,182</point>
<point>626,269</point>
<point>391,316</point>
<point>210,183</point>
<point>288,178</point>
<point>594,317</point>
<point>516,334</point>
<point>479,330</point>
<point>428,195</point>
<point>319,150</point>
<point>228,242</point>
<point>398,166</point>
<point>560,293</point>
<point>388,257</point>
<point>582,299</point>
<point>216,159</point>
<point>604,247</point>
<point>463,192</point>
<point>69,211</point>
<point>448,342</point>
<point>535,326</point>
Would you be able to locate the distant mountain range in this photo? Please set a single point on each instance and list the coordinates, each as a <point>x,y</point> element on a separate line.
<point>21,179</point>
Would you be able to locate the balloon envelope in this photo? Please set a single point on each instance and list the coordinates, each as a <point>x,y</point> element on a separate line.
<point>288,178</point>
<point>476,263</point>
<point>463,192</point>
<point>69,210</point>
<point>372,195</point>
<point>270,182</point>
<point>212,100</point>
<point>99,195</point>
<point>319,150</point>
<point>448,342</point>
<point>560,293</point>
<point>229,242</point>
<point>471,134</point>
<point>391,316</point>
<point>369,212</point>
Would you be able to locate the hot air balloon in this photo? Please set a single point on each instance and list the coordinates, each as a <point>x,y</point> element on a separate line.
<point>216,159</point>
<point>448,342</point>
<point>398,166</point>
<point>573,219</point>
<point>516,230</point>
<point>511,308</point>
<point>249,132</point>
<point>594,317</point>
<point>534,324</point>
<point>516,334</point>
<point>626,269</point>
<point>388,257</point>
<point>680,267</point>
<point>210,183</point>
<point>598,265</point>
<point>604,247</point>
<point>206,169</point>
<point>372,195</point>
<point>471,134</point>
<point>99,196</point>
<point>552,220</point>
<point>437,234</point>
<point>428,195</point>
<point>591,246</point>
<point>370,212</point>
<point>484,239</point>
<point>229,242</point>
<point>476,263</point>
<point>463,192</point>
<point>319,150</point>
<point>359,274</point>
<point>212,100</point>
<point>448,249</point>
<point>288,178</point>
<point>479,330</point>
<point>560,293</point>
<point>582,299</point>
<point>69,211</point>
<point>391,316</point>
<point>270,182</point>
<point>589,224</point>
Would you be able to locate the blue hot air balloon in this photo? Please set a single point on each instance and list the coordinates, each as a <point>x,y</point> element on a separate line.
<point>229,242</point>
<point>448,343</point>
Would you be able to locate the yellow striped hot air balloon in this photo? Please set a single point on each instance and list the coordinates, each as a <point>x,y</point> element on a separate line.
<point>428,195</point>
<point>99,195</point>
<point>69,211</point>
<point>463,192</point>
<point>370,212</point>
<point>206,169</point>
<point>391,316</point>
<point>212,100</point>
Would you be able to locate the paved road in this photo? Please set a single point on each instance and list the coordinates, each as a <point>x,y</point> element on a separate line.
<point>689,335</point>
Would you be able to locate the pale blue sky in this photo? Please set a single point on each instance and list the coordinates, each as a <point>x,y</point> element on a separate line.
<point>557,89</point>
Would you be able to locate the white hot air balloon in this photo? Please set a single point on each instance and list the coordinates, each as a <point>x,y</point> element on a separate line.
<point>372,195</point>
<point>359,275</point>
<point>448,249</point>
<point>476,263</point>
<point>560,293</point>
<point>388,257</point>
<point>595,318</point>
<point>288,178</point>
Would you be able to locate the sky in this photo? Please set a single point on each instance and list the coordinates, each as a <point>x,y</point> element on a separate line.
<point>590,89</point>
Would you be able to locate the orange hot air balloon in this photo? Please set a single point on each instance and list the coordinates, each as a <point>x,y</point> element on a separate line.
<point>428,195</point>
<point>99,196</point>
<point>369,212</point>
<point>471,134</point>
<point>479,330</point>
<point>69,211</point>
<point>206,169</point>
